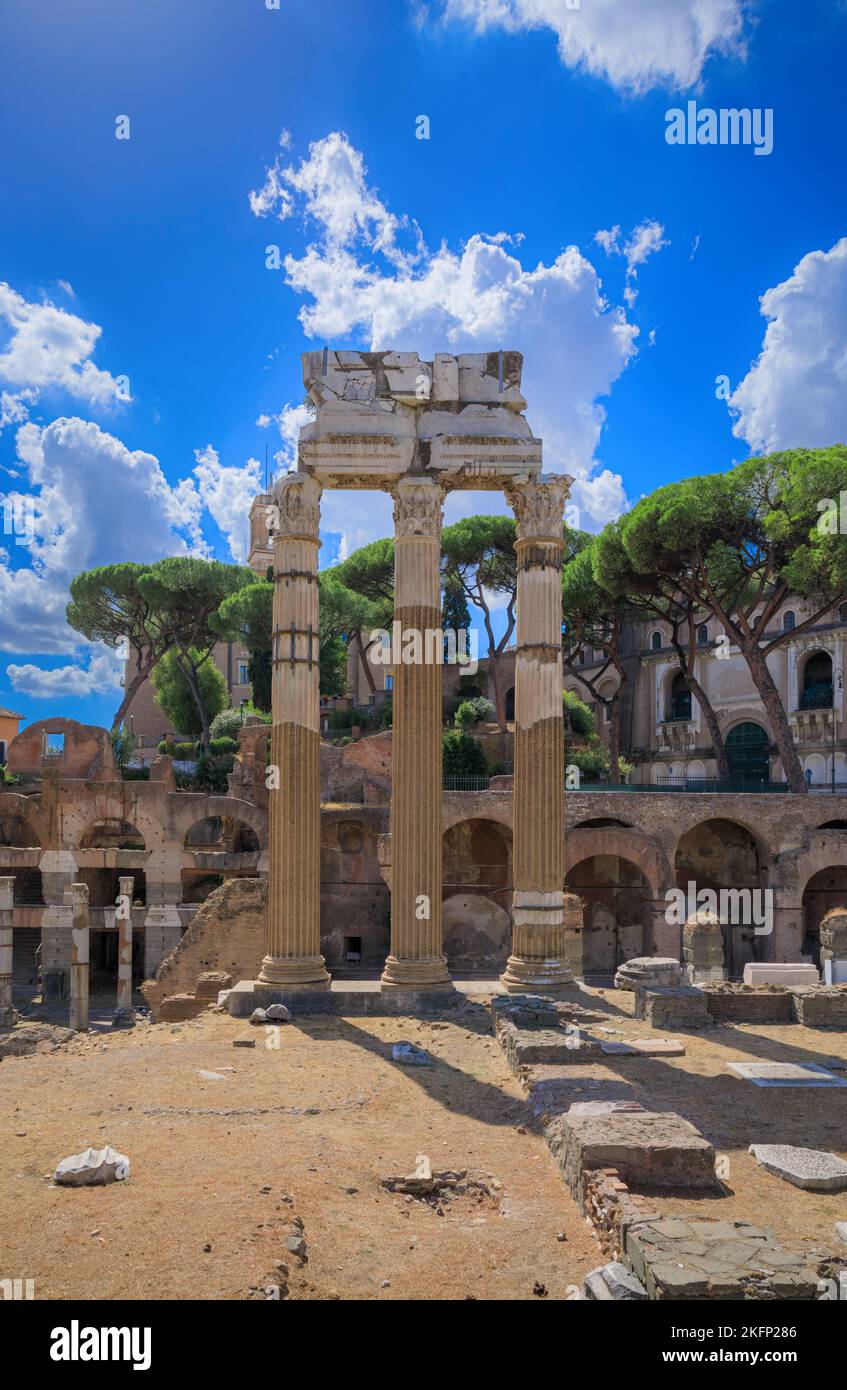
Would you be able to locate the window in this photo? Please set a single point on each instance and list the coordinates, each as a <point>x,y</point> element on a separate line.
<point>2,751</point>
<point>842,612</point>
<point>389,682</point>
<point>54,745</point>
<point>656,642</point>
<point>680,698</point>
<point>789,620</point>
<point>243,673</point>
<point>703,635</point>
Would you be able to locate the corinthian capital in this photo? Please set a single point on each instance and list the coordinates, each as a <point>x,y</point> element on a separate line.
<point>539,506</point>
<point>417,507</point>
<point>297,510</point>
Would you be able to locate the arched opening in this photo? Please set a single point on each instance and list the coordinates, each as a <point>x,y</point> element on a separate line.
<point>655,641</point>
<point>817,682</point>
<point>722,855</point>
<point>833,825</point>
<point>747,752</point>
<point>618,911</point>
<point>703,635</point>
<point>825,889</point>
<point>603,823</point>
<point>680,698</point>
<point>222,835</point>
<point>477,895</point>
<point>510,704</point>
<point>28,890</point>
<point>112,833</point>
<point>789,620</point>
<point>104,885</point>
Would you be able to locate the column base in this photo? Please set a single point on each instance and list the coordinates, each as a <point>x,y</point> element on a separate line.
<point>429,975</point>
<point>536,977</point>
<point>283,972</point>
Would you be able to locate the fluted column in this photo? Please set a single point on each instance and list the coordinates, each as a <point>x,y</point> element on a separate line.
<point>294,959</point>
<point>7,891</point>
<point>539,960</point>
<point>416,960</point>
<point>79,958</point>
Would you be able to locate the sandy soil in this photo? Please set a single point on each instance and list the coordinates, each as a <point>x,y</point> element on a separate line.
<point>202,1151</point>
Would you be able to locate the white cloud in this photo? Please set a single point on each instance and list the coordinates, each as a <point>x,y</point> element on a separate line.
<point>47,348</point>
<point>633,44</point>
<point>94,502</point>
<point>361,281</point>
<point>227,493</point>
<point>795,394</point>
<point>642,243</point>
<point>102,674</point>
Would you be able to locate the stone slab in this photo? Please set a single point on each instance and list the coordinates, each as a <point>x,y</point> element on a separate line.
<point>824,1006</point>
<point>248,995</point>
<point>788,973</point>
<point>642,971</point>
<point>673,1008</point>
<point>613,1283</point>
<point>785,1074</point>
<point>807,1168</point>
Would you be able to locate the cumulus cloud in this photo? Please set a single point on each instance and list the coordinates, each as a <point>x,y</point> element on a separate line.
<point>227,492</point>
<point>795,394</point>
<point>633,44</point>
<point>368,275</point>
<point>92,501</point>
<point>45,348</point>
<point>102,674</point>
<point>642,243</point>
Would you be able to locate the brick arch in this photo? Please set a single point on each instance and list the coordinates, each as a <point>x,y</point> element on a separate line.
<point>684,826</point>
<point>798,869</point>
<point>500,815</point>
<point>227,807</point>
<point>632,845</point>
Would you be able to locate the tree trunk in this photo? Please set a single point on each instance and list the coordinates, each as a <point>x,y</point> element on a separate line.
<point>615,738</point>
<point>363,657</point>
<point>130,693</point>
<point>189,670</point>
<point>712,725</point>
<point>499,701</point>
<point>774,708</point>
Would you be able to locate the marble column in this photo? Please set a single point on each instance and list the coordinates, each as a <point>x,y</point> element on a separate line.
<point>294,959</point>
<point>123,922</point>
<point>539,960</point>
<point>7,891</point>
<point>79,958</point>
<point>416,960</point>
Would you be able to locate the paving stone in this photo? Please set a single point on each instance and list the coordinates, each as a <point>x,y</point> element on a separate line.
<point>695,1258</point>
<point>808,1168</point>
<point>785,1074</point>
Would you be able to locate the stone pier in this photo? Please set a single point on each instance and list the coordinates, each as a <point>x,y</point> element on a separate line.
<point>123,922</point>
<point>7,889</point>
<point>79,958</point>
<point>539,960</point>
<point>294,959</point>
<point>416,960</point>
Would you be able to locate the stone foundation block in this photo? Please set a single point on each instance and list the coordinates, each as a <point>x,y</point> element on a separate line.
<point>178,1007</point>
<point>822,1007</point>
<point>689,1257</point>
<point>673,1008</point>
<point>646,1148</point>
<point>647,972</point>
<point>747,1004</point>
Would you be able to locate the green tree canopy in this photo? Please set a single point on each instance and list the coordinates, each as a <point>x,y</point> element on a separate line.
<point>108,606</point>
<point>177,698</point>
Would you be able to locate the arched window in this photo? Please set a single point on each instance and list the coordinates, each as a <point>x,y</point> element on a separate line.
<point>656,642</point>
<point>817,682</point>
<point>789,620</point>
<point>703,635</point>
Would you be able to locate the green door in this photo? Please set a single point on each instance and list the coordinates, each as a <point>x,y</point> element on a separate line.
<point>747,752</point>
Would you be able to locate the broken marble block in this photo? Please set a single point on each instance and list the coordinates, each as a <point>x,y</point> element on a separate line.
<point>613,1283</point>
<point>410,1055</point>
<point>644,971</point>
<point>92,1168</point>
<point>811,1169</point>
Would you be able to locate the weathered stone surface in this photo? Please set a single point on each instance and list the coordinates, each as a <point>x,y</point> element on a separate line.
<point>648,1149</point>
<point>92,1168</point>
<point>689,1257</point>
<point>277,1013</point>
<point>841,1231</point>
<point>211,982</point>
<point>808,1168</point>
<point>824,1006</point>
<point>410,1056</point>
<point>673,1008</point>
<point>530,1046</point>
<point>785,1074</point>
<point>644,971</point>
<point>703,947</point>
<point>178,1007</point>
<point>834,934</point>
<point>613,1283</point>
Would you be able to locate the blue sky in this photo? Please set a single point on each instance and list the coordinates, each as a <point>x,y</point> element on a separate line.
<point>146,258</point>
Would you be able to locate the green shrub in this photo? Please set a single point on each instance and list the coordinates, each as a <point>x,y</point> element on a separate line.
<point>229,722</point>
<point>463,755</point>
<point>384,716</point>
<point>465,716</point>
<point>344,718</point>
<point>223,745</point>
<point>135,774</point>
<point>485,710</point>
<point>578,713</point>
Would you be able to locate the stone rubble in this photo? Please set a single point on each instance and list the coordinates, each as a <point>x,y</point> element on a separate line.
<point>92,1168</point>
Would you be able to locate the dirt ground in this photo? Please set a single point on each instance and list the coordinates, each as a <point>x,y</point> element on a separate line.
<point>312,1126</point>
<point>202,1152</point>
